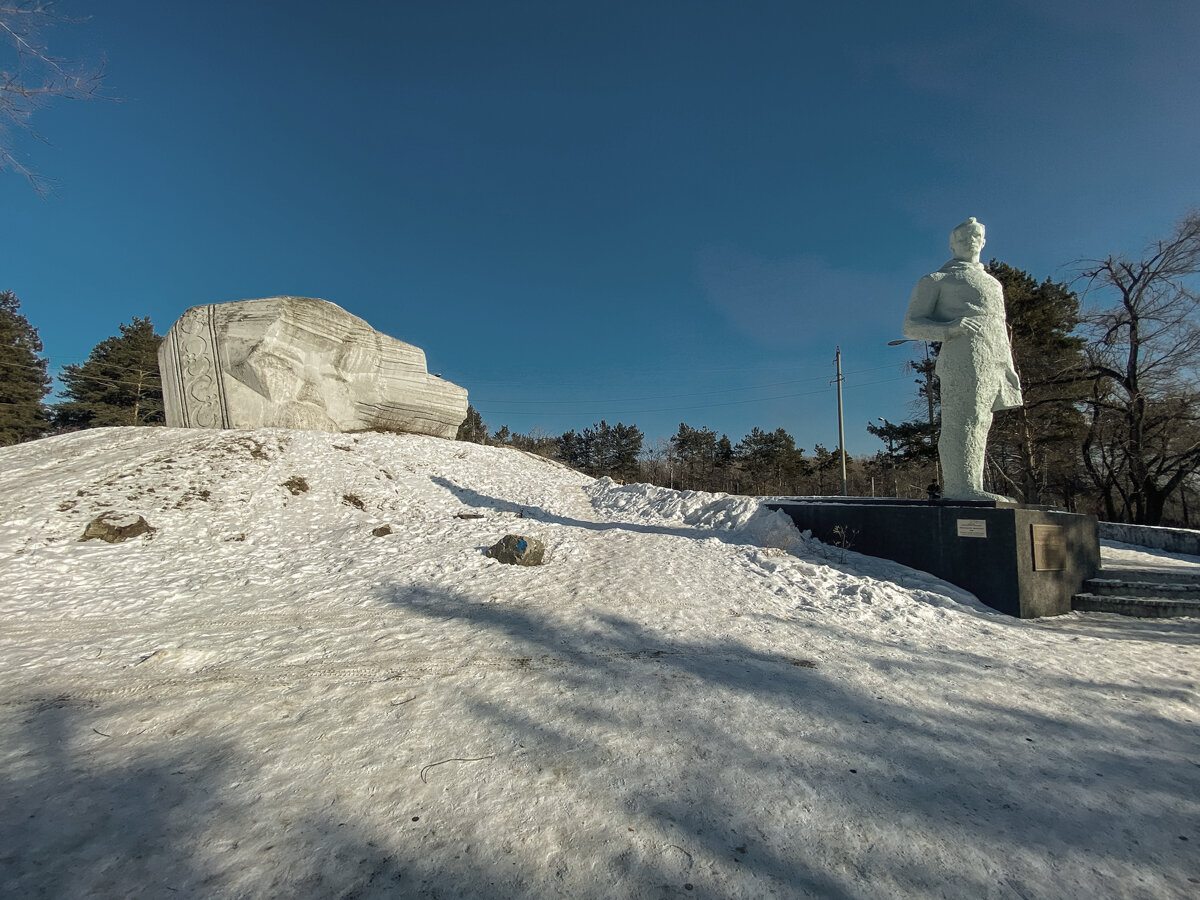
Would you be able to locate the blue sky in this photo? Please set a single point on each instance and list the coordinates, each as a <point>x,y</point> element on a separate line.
<point>648,212</point>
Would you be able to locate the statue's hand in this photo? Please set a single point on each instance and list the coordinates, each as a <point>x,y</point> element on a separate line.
<point>966,326</point>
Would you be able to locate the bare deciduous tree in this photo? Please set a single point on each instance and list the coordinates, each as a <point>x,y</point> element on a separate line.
<point>31,78</point>
<point>1143,437</point>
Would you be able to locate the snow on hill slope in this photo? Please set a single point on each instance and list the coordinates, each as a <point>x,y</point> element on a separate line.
<point>262,698</point>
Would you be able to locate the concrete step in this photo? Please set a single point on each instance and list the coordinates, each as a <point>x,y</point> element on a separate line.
<point>1158,576</point>
<point>1141,587</point>
<point>1147,607</point>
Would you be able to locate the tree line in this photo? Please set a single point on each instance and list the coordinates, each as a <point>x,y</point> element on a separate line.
<point>1110,423</point>
<point>118,384</point>
<point>762,462</point>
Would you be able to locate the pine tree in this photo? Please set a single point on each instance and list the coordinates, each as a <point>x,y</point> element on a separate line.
<point>473,429</point>
<point>695,450</point>
<point>118,384</point>
<point>23,380</point>
<point>912,445</point>
<point>825,465</point>
<point>1034,449</point>
<point>600,440</point>
<point>626,448</point>
<point>772,460</point>
<point>907,442</point>
<point>603,449</point>
<point>723,468</point>
<point>574,450</point>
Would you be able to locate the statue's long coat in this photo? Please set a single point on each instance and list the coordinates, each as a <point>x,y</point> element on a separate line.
<point>968,364</point>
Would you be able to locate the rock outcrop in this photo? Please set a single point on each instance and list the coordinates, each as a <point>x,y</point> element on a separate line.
<point>299,362</point>
<point>116,527</point>
<point>518,550</point>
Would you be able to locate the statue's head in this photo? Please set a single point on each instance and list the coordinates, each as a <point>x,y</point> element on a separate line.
<point>967,239</point>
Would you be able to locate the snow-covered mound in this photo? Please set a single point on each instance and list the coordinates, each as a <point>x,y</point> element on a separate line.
<point>264,697</point>
<point>741,515</point>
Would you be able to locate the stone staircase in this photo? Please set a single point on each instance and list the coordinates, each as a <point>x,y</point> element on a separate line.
<point>1141,592</point>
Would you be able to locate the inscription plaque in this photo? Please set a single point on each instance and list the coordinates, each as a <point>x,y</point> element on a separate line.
<point>1049,548</point>
<point>974,528</point>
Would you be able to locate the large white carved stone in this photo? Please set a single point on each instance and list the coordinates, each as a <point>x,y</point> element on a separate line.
<point>962,306</point>
<point>298,362</point>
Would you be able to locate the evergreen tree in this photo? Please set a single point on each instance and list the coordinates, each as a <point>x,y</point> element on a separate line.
<point>907,442</point>
<point>912,445</point>
<point>23,380</point>
<point>473,429</point>
<point>603,449</point>
<point>1033,450</point>
<point>826,466</point>
<point>907,465</point>
<point>772,461</point>
<point>626,448</point>
<point>695,450</point>
<point>118,384</point>
<point>575,450</point>
<point>613,450</point>
<point>600,449</point>
<point>723,465</point>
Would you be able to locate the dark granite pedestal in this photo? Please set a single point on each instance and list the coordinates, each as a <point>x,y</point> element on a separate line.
<point>1021,560</point>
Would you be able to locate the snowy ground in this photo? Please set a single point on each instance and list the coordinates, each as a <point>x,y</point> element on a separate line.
<point>262,699</point>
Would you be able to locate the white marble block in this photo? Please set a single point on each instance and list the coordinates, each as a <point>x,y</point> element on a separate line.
<point>298,362</point>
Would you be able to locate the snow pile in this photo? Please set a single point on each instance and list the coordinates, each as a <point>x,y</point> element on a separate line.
<point>744,518</point>
<point>262,697</point>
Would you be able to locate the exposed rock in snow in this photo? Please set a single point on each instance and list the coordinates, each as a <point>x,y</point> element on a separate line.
<point>518,550</point>
<point>115,527</point>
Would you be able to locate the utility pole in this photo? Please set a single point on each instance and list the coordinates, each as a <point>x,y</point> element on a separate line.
<point>837,361</point>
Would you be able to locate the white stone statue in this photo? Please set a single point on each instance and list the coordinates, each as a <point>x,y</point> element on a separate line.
<point>962,306</point>
<point>298,362</point>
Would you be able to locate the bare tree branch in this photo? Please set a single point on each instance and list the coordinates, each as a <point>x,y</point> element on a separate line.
<point>1145,351</point>
<point>31,78</point>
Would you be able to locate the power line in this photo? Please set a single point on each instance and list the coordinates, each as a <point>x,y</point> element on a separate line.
<point>79,376</point>
<point>649,372</point>
<point>494,411</point>
<point>577,401</point>
<point>59,365</point>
